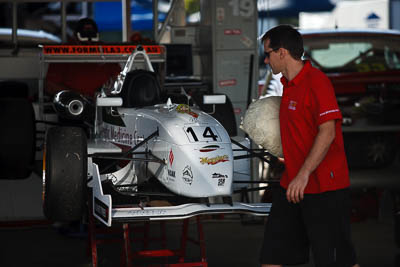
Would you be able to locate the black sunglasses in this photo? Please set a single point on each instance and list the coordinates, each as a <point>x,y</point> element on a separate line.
<point>266,54</point>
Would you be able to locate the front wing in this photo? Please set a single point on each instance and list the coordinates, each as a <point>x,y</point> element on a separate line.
<point>106,213</point>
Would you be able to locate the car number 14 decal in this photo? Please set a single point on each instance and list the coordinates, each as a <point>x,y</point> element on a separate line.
<point>202,134</point>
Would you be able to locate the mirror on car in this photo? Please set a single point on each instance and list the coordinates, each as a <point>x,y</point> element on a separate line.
<point>109,101</point>
<point>214,99</point>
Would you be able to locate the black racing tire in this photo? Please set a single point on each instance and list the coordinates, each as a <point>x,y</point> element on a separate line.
<point>65,170</point>
<point>397,229</point>
<point>396,218</point>
<point>17,138</point>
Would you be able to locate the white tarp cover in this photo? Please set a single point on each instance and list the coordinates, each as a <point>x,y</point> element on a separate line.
<point>261,123</point>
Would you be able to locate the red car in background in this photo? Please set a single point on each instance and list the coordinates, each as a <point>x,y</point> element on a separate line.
<point>364,67</point>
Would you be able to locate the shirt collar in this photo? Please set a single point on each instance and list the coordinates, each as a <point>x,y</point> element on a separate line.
<point>299,77</point>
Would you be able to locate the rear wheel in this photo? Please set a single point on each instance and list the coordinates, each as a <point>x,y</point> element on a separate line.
<point>17,138</point>
<point>65,165</point>
<point>370,150</point>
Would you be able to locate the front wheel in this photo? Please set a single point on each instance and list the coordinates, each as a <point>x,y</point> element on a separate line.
<point>65,174</point>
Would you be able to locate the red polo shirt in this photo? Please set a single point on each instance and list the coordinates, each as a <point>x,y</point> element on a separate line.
<point>308,101</point>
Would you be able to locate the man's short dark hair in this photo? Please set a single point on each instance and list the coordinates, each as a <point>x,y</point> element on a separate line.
<point>287,37</point>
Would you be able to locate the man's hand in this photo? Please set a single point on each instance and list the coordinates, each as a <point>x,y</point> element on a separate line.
<point>295,190</point>
<point>322,142</point>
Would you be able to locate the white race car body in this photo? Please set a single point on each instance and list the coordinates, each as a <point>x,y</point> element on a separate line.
<point>195,148</point>
<point>189,152</point>
<point>167,153</point>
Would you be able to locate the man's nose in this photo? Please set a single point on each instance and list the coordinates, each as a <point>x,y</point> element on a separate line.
<point>266,60</point>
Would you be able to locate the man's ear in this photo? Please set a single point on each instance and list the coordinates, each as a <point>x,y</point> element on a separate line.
<point>282,53</point>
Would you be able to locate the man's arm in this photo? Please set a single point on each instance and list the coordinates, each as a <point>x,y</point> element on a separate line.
<point>322,142</point>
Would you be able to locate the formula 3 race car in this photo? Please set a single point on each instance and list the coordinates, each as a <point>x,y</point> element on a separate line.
<point>142,160</point>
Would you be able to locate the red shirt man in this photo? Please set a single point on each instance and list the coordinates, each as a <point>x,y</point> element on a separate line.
<point>307,103</point>
<point>311,208</point>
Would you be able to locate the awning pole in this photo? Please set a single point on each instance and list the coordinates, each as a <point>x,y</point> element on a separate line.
<point>155,19</point>
<point>63,22</point>
<point>126,20</point>
<point>165,23</point>
<point>15,23</point>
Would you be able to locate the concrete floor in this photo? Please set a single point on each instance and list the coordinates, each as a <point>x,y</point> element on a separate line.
<point>229,242</point>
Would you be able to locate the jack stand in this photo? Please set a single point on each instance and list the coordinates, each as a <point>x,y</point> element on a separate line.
<point>128,256</point>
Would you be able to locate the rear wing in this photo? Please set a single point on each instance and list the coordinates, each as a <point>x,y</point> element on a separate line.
<point>101,53</point>
<point>98,53</point>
